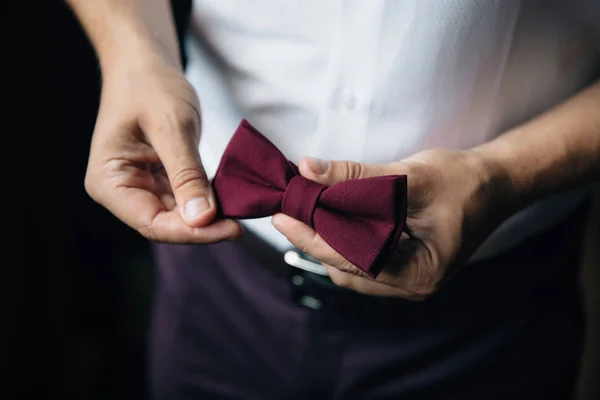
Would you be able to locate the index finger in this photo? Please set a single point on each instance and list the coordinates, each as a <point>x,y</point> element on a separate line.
<point>144,212</point>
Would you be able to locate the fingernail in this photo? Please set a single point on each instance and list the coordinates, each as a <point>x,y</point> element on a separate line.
<point>276,223</point>
<point>195,207</point>
<point>318,166</point>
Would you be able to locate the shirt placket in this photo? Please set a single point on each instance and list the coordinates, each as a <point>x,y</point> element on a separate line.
<point>345,120</point>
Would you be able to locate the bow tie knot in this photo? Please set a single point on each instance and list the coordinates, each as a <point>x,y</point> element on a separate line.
<point>300,199</point>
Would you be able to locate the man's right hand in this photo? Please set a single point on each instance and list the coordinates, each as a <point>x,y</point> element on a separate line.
<point>144,164</point>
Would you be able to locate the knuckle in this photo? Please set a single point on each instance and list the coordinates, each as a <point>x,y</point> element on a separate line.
<point>348,267</point>
<point>310,244</point>
<point>424,292</point>
<point>354,170</point>
<point>341,280</point>
<point>174,117</point>
<point>427,274</point>
<point>90,184</point>
<point>146,229</point>
<point>427,285</point>
<point>188,176</point>
<point>188,120</point>
<point>147,232</point>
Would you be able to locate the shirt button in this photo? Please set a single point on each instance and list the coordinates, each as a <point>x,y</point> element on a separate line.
<point>347,99</point>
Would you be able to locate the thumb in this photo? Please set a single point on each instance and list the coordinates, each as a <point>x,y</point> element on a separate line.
<point>189,183</point>
<point>331,172</point>
<point>193,192</point>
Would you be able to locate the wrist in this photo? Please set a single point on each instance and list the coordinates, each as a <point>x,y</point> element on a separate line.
<point>132,47</point>
<point>126,32</point>
<point>496,168</point>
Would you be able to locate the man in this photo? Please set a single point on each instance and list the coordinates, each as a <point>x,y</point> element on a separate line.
<point>490,108</point>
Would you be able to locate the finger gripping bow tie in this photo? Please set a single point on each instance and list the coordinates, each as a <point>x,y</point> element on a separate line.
<point>361,219</point>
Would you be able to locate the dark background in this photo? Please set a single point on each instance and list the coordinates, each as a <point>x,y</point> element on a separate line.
<point>84,287</point>
<point>77,283</point>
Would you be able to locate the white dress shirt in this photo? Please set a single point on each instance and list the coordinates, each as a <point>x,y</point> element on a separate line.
<point>378,80</point>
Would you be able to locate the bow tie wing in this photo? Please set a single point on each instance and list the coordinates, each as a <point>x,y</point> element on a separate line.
<point>363,219</point>
<point>252,176</point>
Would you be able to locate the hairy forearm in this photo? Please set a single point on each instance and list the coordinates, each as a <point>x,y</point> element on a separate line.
<point>132,31</point>
<point>556,151</point>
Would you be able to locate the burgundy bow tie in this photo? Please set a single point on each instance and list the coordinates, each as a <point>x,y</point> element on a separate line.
<point>361,219</point>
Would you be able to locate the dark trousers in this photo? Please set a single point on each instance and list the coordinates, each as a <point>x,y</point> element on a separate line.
<point>229,323</point>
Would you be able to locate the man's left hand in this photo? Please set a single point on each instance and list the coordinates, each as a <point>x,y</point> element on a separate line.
<point>454,203</point>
